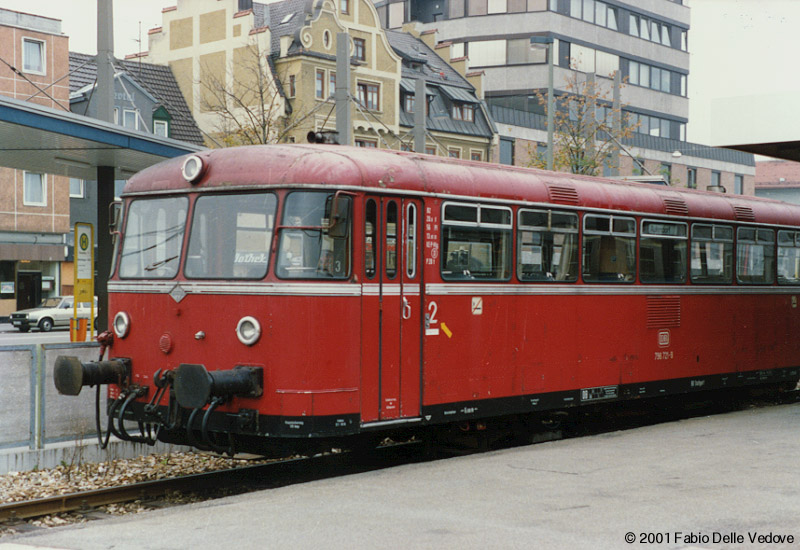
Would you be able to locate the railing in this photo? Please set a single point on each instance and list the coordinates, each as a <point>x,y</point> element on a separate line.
<point>32,413</point>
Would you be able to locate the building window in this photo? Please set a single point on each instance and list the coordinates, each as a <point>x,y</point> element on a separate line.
<point>360,49</point>
<point>35,189</point>
<point>344,6</point>
<point>715,178</point>
<point>454,153</point>
<point>738,184</point>
<point>33,56</point>
<point>430,150</point>
<point>476,155</point>
<point>292,85</point>
<point>130,119</point>
<point>666,171</point>
<point>320,84</point>
<point>76,188</point>
<point>161,128</point>
<point>368,143</point>
<point>464,111</point>
<point>691,178</point>
<point>331,83</point>
<point>369,95</point>
<point>409,103</point>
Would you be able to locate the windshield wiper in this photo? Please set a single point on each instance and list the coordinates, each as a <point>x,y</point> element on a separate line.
<point>156,265</point>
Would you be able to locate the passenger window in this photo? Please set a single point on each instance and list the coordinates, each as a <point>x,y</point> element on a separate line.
<point>609,249</point>
<point>411,240</point>
<point>476,241</point>
<point>308,247</point>
<point>712,254</point>
<point>547,246</point>
<point>391,239</point>
<point>662,252</point>
<point>788,258</point>
<point>755,255</point>
<point>370,223</point>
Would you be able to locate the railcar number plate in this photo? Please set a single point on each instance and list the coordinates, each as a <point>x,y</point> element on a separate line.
<point>601,393</point>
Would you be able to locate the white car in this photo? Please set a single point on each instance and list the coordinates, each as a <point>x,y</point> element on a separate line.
<point>52,312</point>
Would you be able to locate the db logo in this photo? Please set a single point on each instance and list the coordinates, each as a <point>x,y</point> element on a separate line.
<point>663,338</point>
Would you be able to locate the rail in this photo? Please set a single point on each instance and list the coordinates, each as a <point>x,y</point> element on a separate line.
<point>273,474</point>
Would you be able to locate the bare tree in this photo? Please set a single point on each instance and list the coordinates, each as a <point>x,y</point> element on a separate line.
<point>585,135</point>
<point>245,99</point>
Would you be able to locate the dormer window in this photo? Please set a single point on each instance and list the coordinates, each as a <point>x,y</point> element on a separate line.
<point>464,111</point>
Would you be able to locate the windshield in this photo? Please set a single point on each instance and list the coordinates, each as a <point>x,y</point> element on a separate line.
<point>231,236</point>
<point>151,245</point>
<point>308,250</point>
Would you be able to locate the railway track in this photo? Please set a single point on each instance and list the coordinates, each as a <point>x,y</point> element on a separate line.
<point>301,470</point>
<point>230,481</point>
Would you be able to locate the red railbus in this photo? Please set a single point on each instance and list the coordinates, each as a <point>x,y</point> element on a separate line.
<point>272,296</point>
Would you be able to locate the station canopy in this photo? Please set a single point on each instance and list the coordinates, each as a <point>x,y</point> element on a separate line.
<point>41,139</point>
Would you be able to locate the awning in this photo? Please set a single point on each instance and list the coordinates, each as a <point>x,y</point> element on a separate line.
<point>42,139</point>
<point>459,94</point>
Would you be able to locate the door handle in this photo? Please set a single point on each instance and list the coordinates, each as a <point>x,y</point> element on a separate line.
<point>406,309</point>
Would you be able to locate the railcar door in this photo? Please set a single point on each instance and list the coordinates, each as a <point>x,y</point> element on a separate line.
<point>391,303</point>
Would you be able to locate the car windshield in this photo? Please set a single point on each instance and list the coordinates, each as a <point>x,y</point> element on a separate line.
<point>50,302</point>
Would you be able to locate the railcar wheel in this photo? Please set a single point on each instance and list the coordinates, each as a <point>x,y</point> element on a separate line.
<point>46,324</point>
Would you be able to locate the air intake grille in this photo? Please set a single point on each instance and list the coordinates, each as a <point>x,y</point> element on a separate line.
<point>663,311</point>
<point>675,206</point>
<point>563,194</point>
<point>744,213</point>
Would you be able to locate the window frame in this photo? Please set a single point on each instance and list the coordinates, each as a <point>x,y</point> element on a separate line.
<point>714,239</point>
<point>479,225</point>
<point>366,90</point>
<point>81,184</point>
<point>42,56</point>
<point>645,235</point>
<point>631,277</point>
<point>523,227</point>
<point>768,261</point>
<point>360,48</point>
<point>795,239</point>
<point>43,181</point>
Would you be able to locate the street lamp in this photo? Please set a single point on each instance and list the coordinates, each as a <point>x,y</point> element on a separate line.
<point>536,42</point>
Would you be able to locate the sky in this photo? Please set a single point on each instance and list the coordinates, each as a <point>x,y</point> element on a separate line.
<point>737,47</point>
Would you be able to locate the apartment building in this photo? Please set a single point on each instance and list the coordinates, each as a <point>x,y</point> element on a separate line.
<point>282,55</point>
<point>645,42</point>
<point>34,207</point>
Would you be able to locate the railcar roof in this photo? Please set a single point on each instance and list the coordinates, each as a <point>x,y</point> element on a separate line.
<point>383,170</point>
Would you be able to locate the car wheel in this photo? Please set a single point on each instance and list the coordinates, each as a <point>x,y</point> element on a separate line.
<point>46,324</point>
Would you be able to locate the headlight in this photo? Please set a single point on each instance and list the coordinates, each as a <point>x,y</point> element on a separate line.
<point>193,169</point>
<point>122,324</point>
<point>248,331</point>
